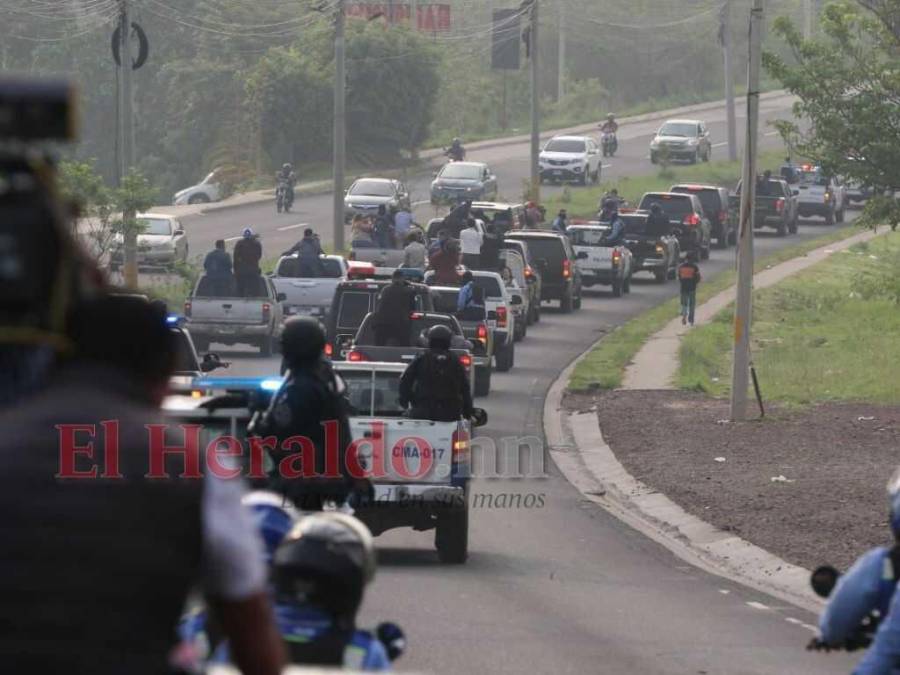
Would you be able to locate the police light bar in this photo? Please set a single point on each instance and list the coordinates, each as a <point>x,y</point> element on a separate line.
<point>175,320</point>
<point>238,383</point>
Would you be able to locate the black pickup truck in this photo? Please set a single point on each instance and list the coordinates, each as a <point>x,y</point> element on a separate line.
<point>776,206</point>
<point>364,348</point>
<point>658,255</point>
<point>475,328</point>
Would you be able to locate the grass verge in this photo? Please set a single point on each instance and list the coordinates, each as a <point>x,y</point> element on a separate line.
<point>826,334</point>
<point>604,366</point>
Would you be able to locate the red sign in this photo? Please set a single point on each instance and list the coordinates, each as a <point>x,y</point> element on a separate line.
<point>431,18</point>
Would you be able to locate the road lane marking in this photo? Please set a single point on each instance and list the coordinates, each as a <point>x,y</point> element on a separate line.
<point>720,145</point>
<point>771,133</point>
<point>233,238</point>
<point>424,201</point>
<point>796,622</point>
<point>756,605</point>
<point>606,166</point>
<point>724,591</point>
<point>292,227</point>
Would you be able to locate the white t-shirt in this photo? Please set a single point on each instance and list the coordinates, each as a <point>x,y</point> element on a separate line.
<point>470,240</point>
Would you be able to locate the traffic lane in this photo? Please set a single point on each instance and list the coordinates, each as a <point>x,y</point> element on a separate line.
<point>566,587</point>
<point>279,231</point>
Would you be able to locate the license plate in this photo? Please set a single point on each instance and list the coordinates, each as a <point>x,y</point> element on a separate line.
<point>557,173</point>
<point>226,330</point>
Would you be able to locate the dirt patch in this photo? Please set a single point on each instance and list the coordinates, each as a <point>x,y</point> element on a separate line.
<point>831,463</point>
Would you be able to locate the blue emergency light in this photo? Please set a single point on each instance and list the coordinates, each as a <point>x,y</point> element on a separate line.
<point>270,384</point>
<point>175,320</point>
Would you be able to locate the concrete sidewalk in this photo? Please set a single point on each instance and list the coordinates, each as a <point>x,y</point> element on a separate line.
<point>656,364</point>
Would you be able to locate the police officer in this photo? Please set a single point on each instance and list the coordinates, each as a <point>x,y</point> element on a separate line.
<point>311,404</point>
<point>392,321</point>
<point>610,214</point>
<point>435,383</point>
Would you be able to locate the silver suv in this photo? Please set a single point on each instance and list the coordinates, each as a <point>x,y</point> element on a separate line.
<point>681,139</point>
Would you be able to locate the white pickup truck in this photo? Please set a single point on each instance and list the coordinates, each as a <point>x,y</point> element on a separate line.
<point>307,295</point>
<point>599,263</point>
<point>214,314</point>
<point>420,469</point>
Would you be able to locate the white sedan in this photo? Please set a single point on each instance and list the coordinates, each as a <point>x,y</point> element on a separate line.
<point>207,190</point>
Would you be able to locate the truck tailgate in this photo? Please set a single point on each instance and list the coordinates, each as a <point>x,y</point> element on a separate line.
<point>598,257</point>
<point>227,310</point>
<point>405,450</point>
<point>305,294</point>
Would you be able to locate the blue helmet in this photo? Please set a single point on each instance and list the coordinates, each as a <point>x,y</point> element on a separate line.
<point>274,518</point>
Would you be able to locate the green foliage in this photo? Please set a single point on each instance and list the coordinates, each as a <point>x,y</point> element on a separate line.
<point>848,83</point>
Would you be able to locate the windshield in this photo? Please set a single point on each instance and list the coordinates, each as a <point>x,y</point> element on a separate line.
<point>161,226</point>
<point>814,177</point>
<point>373,393</point>
<point>211,178</point>
<point>678,129</point>
<point>354,307</point>
<point>587,237</point>
<point>292,268</point>
<point>372,188</point>
<point>565,145</point>
<point>465,171</point>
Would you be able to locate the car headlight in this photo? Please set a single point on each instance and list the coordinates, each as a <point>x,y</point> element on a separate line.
<point>692,141</point>
<point>654,143</point>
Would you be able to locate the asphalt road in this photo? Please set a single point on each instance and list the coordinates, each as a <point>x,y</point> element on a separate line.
<point>510,162</point>
<point>562,586</point>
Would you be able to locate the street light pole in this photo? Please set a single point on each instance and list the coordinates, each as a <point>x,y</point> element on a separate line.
<point>535,105</point>
<point>340,126</point>
<point>729,80</point>
<point>740,378</point>
<point>126,140</point>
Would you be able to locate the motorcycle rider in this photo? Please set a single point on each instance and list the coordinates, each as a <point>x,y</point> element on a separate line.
<point>610,126</point>
<point>435,384</point>
<point>869,585</point>
<point>312,404</point>
<point>288,179</point>
<point>309,250</point>
<point>456,152</point>
<point>610,214</point>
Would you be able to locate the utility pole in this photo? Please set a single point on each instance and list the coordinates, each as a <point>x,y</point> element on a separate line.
<point>740,378</point>
<point>126,138</point>
<point>807,18</point>
<point>340,126</point>
<point>727,44</point>
<point>561,58</point>
<point>535,103</point>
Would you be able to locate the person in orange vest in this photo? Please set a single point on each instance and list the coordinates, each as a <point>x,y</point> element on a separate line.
<point>689,277</point>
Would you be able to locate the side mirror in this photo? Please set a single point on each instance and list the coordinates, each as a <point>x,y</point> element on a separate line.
<point>211,362</point>
<point>281,297</point>
<point>178,233</point>
<point>581,255</point>
<point>795,192</point>
<point>516,300</point>
<point>479,417</point>
<point>393,638</point>
<point>823,580</point>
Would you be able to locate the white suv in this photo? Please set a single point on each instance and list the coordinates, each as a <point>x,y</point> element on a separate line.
<point>571,158</point>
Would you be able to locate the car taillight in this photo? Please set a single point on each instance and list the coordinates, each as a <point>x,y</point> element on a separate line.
<point>466,360</point>
<point>355,357</point>
<point>691,219</point>
<point>567,269</point>
<point>616,258</point>
<point>482,332</point>
<point>461,447</point>
<point>827,197</point>
<point>187,308</point>
<point>267,311</point>
<point>529,272</point>
<point>416,316</point>
<point>779,205</point>
<point>329,350</point>
<point>501,317</point>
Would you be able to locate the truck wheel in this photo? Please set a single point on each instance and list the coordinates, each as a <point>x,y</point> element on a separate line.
<point>566,303</point>
<point>537,311</point>
<point>722,240</point>
<point>829,218</point>
<point>840,216</point>
<point>653,158</point>
<point>627,285</point>
<point>617,289</point>
<point>792,228</point>
<point>505,357</point>
<point>704,252</point>
<point>483,380</point>
<point>732,237</point>
<point>576,303</point>
<point>584,176</point>
<point>267,346</point>
<point>451,537</point>
<point>781,229</point>
<point>661,276</point>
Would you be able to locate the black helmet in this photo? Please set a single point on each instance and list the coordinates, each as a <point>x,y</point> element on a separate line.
<point>439,337</point>
<point>302,340</point>
<point>287,167</point>
<point>326,561</point>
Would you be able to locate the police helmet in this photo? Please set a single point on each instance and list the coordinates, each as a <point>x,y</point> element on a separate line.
<point>439,337</point>
<point>326,561</point>
<point>274,518</point>
<point>302,340</point>
<point>893,488</point>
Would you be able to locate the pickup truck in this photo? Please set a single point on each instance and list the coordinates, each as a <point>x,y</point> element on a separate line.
<point>353,300</point>
<point>498,303</point>
<point>599,263</point>
<point>475,329</point>
<point>419,469</point>
<point>775,206</point>
<point>308,295</point>
<point>384,260</point>
<point>364,347</point>
<point>215,314</point>
<point>688,219</point>
<point>653,253</point>
<point>820,195</point>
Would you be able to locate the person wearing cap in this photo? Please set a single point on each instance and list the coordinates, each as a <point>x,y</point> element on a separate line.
<point>560,223</point>
<point>247,255</point>
<point>309,251</point>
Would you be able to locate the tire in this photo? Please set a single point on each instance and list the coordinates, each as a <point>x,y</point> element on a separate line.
<point>200,198</point>
<point>661,276</point>
<point>576,303</point>
<point>617,289</point>
<point>732,237</point>
<point>505,358</point>
<point>267,346</point>
<point>483,380</point>
<point>781,230</point>
<point>792,228</point>
<point>566,303</point>
<point>829,218</point>
<point>654,159</point>
<point>722,239</point>
<point>537,311</point>
<point>451,537</point>
<point>704,252</point>
<point>584,176</point>
<point>626,286</point>
<point>840,215</point>
<point>672,274</point>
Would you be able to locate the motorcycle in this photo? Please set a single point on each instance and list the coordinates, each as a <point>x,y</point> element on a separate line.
<point>455,155</point>
<point>823,580</point>
<point>609,143</point>
<point>284,197</point>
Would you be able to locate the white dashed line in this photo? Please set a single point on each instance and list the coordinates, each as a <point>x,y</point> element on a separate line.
<point>756,605</point>
<point>292,227</point>
<point>233,238</point>
<point>424,201</point>
<point>606,166</point>
<point>796,622</point>
<point>724,591</point>
<point>720,145</point>
<point>771,133</point>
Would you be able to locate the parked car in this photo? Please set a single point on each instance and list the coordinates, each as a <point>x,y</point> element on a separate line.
<point>598,262</point>
<point>821,195</point>
<point>776,206</point>
<point>206,191</point>
<point>651,253</point>
<point>555,259</point>
<point>367,194</point>
<point>688,219</point>
<point>307,295</point>
<point>681,139</point>
<point>162,242</point>
<point>460,181</point>
<point>715,203</point>
<point>571,158</point>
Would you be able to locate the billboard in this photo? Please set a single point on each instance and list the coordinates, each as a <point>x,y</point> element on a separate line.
<point>430,18</point>
<point>506,39</point>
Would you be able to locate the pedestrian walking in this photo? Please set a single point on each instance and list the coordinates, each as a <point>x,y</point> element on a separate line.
<point>689,277</point>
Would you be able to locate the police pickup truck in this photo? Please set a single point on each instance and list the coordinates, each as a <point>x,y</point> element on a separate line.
<point>820,195</point>
<point>599,263</point>
<point>308,292</point>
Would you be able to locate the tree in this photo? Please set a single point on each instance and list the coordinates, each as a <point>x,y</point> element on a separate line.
<point>848,85</point>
